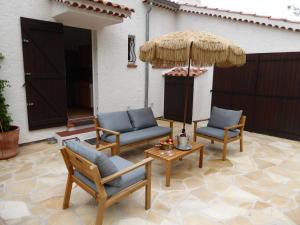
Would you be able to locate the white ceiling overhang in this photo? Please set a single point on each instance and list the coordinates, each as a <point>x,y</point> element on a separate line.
<point>89,14</point>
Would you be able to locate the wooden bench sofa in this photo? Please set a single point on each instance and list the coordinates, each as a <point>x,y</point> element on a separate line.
<point>126,128</point>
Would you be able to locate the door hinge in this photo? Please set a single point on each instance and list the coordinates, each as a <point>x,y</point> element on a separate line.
<point>26,41</point>
<point>27,74</point>
<point>30,104</point>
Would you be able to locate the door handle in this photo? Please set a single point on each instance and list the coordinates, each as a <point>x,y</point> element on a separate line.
<point>26,41</point>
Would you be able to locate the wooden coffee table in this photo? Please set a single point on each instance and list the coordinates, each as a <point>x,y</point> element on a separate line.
<point>155,152</point>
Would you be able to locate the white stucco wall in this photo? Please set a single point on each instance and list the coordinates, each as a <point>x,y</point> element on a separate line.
<point>202,95</point>
<point>251,37</point>
<point>162,22</point>
<point>120,87</point>
<point>12,66</point>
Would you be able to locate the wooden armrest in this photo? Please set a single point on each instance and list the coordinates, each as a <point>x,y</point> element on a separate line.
<point>234,127</point>
<point>197,121</point>
<point>107,131</point>
<point>126,170</point>
<point>163,119</point>
<point>106,146</point>
<point>171,122</point>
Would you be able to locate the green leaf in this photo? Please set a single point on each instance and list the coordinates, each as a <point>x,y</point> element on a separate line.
<point>5,118</point>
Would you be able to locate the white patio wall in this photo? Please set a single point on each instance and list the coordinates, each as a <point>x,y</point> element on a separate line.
<point>159,25</point>
<point>121,87</point>
<point>12,66</point>
<point>251,37</point>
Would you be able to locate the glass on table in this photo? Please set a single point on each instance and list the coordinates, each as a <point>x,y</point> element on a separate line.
<point>163,152</point>
<point>170,151</point>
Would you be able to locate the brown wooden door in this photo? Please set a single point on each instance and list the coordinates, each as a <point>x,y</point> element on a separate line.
<point>45,78</point>
<point>234,88</point>
<point>174,98</point>
<point>267,88</point>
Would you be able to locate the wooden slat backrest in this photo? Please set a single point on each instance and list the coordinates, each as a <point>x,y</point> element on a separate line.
<point>242,120</point>
<point>81,164</point>
<point>84,166</point>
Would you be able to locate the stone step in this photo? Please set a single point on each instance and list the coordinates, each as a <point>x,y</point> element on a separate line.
<point>81,121</point>
<point>78,134</point>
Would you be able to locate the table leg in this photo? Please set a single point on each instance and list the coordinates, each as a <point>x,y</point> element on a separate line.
<point>201,157</point>
<point>168,173</point>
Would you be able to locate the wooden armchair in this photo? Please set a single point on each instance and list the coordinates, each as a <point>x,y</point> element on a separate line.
<point>87,176</point>
<point>226,135</point>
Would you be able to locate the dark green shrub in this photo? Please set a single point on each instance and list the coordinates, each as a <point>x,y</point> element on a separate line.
<point>5,119</point>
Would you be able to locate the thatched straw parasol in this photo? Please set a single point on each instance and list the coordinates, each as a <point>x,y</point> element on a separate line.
<point>191,48</point>
<point>183,72</point>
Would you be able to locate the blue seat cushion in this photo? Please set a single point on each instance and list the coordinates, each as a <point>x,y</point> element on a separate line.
<point>116,121</point>
<point>128,179</point>
<point>105,165</point>
<point>216,132</point>
<point>221,118</point>
<point>142,118</point>
<point>138,135</point>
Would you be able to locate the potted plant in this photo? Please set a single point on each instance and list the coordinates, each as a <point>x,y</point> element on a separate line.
<point>9,134</point>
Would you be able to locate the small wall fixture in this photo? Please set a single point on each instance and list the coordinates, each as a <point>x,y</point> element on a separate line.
<point>131,52</point>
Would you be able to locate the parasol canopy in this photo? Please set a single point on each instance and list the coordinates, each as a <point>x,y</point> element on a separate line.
<point>183,72</point>
<point>202,48</point>
<point>192,48</point>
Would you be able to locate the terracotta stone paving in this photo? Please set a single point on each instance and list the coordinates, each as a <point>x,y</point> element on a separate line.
<point>260,186</point>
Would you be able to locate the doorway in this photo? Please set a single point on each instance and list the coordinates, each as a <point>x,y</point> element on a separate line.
<point>174,98</point>
<point>79,72</point>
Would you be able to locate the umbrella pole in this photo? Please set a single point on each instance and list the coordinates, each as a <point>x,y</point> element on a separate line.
<point>187,89</point>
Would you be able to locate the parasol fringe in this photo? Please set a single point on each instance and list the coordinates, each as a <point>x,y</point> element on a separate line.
<point>207,49</point>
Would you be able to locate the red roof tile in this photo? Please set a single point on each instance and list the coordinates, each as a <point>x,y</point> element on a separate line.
<point>97,9</point>
<point>182,72</point>
<point>114,5</point>
<point>162,5</point>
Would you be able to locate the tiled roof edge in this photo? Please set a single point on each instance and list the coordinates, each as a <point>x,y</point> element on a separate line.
<point>119,10</point>
<point>114,5</point>
<point>264,20</point>
<point>269,21</point>
<point>162,5</point>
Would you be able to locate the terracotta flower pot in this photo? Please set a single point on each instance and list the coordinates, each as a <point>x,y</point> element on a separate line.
<point>9,143</point>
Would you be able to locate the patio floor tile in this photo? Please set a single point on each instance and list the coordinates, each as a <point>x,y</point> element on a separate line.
<point>260,186</point>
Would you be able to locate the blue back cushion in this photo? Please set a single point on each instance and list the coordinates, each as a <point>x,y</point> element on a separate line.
<point>116,121</point>
<point>142,118</point>
<point>105,165</point>
<point>221,118</point>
